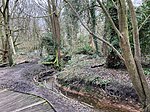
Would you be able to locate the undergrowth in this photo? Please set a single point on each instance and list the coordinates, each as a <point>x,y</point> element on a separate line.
<point>147,71</point>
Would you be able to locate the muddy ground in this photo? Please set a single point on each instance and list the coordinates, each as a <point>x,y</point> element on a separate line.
<point>89,76</point>
<point>84,78</point>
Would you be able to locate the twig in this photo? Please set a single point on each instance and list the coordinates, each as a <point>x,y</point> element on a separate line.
<point>114,4</point>
<point>110,19</point>
<point>144,22</point>
<point>2,50</point>
<point>6,6</point>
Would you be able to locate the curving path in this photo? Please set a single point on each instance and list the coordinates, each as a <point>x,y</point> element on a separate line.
<point>19,78</point>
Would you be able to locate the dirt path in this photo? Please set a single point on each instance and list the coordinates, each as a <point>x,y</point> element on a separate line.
<point>20,78</point>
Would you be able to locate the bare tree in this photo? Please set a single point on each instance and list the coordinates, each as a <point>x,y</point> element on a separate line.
<point>7,54</point>
<point>133,64</point>
<point>54,17</point>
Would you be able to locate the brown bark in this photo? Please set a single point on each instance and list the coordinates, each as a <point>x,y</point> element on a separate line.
<point>55,27</point>
<point>137,54</point>
<point>133,65</point>
<point>126,49</point>
<point>105,37</point>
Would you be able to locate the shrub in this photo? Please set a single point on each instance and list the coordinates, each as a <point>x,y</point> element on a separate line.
<point>48,43</point>
<point>86,49</point>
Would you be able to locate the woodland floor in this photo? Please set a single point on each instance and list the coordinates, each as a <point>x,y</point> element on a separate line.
<point>101,87</point>
<point>22,78</point>
<point>83,78</point>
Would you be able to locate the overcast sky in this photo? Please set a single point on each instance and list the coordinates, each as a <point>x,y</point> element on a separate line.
<point>137,2</point>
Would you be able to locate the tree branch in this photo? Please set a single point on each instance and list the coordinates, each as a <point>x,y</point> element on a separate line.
<point>134,23</point>
<point>1,11</point>
<point>2,50</point>
<point>15,5</point>
<point>93,33</point>
<point>110,19</point>
<point>144,22</point>
<point>6,6</point>
<point>114,4</point>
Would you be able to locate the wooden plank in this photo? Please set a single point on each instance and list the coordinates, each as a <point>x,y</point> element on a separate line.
<point>29,106</point>
<point>40,108</point>
<point>1,91</point>
<point>17,102</point>
<point>6,100</point>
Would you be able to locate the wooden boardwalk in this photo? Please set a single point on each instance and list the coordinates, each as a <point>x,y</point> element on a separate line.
<point>17,102</point>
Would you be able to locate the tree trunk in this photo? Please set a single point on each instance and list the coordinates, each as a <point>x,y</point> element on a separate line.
<point>1,35</point>
<point>105,37</point>
<point>133,67</point>
<point>91,42</point>
<point>7,55</point>
<point>93,23</point>
<point>55,29</point>
<point>137,56</point>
